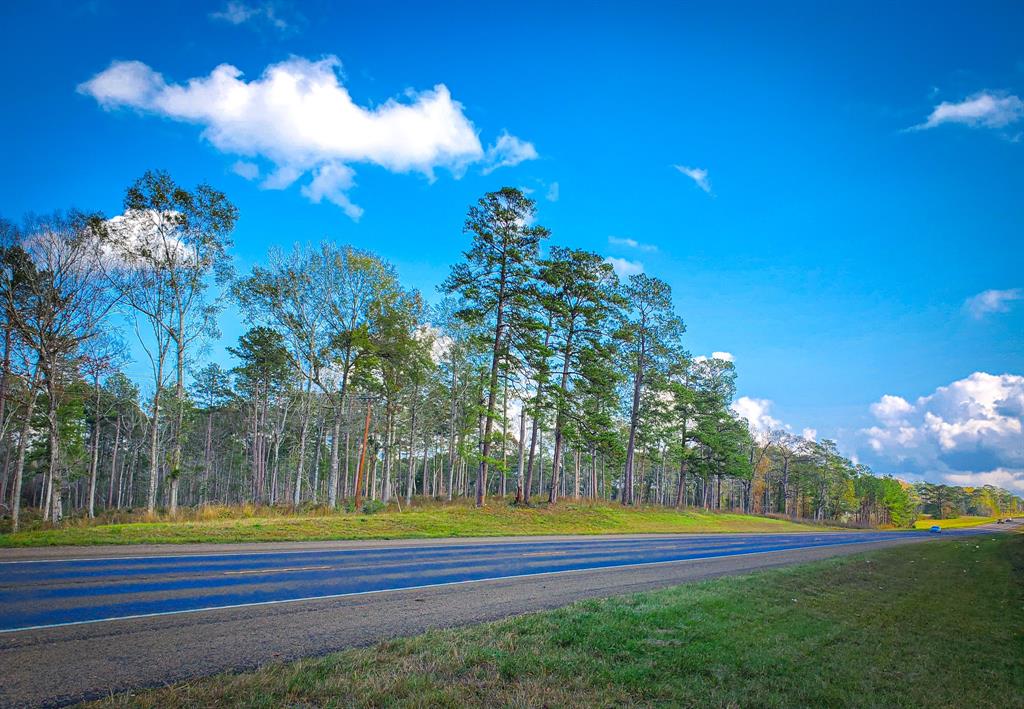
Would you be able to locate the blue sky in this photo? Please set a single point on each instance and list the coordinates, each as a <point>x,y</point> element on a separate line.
<point>864,172</point>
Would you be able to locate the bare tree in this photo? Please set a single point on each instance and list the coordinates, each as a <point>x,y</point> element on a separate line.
<point>161,256</point>
<point>55,299</point>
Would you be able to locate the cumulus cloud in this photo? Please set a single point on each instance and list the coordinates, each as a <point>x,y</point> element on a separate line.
<point>891,409</point>
<point>1001,477</point>
<point>970,430</point>
<point>992,301</point>
<point>239,13</point>
<point>624,267</point>
<point>508,152</point>
<point>332,181</point>
<point>698,175</point>
<point>139,235</point>
<point>809,434</point>
<point>300,118</point>
<point>631,243</point>
<point>984,109</point>
<point>724,356</point>
<point>757,413</point>
<point>248,170</point>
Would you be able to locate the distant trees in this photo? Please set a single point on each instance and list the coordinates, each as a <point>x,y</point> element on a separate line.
<point>538,373</point>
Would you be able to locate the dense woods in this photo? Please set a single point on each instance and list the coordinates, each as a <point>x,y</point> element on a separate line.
<point>535,374</point>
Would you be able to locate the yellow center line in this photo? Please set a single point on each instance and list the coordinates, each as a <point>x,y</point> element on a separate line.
<point>544,553</point>
<point>274,571</point>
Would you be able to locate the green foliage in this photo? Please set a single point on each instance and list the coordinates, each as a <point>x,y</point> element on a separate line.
<point>372,507</point>
<point>596,366</point>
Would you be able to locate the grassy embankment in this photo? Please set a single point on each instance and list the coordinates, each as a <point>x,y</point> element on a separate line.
<point>425,520</point>
<point>937,624</point>
<point>954,523</point>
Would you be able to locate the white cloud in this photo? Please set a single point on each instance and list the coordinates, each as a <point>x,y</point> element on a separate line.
<point>724,356</point>
<point>973,427</point>
<point>239,13</point>
<point>891,409</point>
<point>698,175</point>
<point>992,301</point>
<point>553,192</point>
<point>281,178</point>
<point>982,110</point>
<point>756,412</point>
<point>138,235</point>
<point>248,170</point>
<point>124,84</point>
<point>631,243</point>
<point>300,118</point>
<point>508,152</point>
<point>625,268</point>
<point>809,434</point>
<point>332,181</point>
<point>1001,477</point>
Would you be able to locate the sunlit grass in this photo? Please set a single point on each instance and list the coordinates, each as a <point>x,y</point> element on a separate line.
<point>954,523</point>
<point>426,519</point>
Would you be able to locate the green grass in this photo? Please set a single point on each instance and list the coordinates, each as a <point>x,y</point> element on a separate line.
<point>954,523</point>
<point>425,520</point>
<point>939,624</point>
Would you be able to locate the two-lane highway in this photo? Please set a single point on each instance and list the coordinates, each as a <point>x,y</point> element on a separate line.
<point>49,593</point>
<point>104,624</point>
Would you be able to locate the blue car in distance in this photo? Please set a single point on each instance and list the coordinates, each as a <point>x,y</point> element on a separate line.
<point>935,528</point>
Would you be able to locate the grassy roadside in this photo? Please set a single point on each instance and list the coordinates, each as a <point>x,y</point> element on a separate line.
<point>427,520</point>
<point>938,624</point>
<point>954,523</point>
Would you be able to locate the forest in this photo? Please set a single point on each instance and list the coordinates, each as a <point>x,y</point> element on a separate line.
<point>533,374</point>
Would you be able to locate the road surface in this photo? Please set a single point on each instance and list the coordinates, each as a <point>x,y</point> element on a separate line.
<point>80,623</point>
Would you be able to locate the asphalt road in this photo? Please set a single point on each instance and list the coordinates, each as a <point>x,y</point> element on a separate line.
<point>83,623</point>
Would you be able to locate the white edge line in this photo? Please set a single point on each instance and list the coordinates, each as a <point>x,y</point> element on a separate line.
<point>423,586</point>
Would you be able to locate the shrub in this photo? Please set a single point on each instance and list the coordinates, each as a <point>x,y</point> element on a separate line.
<point>373,506</point>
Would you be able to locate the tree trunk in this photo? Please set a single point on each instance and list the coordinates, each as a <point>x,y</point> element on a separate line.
<point>522,461</point>
<point>576,478</point>
<point>208,458</point>
<point>556,459</point>
<point>410,485</point>
<point>175,482</point>
<point>94,460</point>
<point>452,435</point>
<point>154,440</point>
<point>683,463</point>
<point>492,386</point>
<point>634,414</point>
<point>345,489</point>
<point>332,484</point>
<point>357,493</point>
<point>389,433</point>
<point>534,429</point>
<point>56,481</point>
<point>19,466</point>
<point>304,432</point>
<point>179,404</point>
<point>113,461</point>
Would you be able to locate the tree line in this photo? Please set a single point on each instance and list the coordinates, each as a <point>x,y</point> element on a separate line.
<point>537,375</point>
